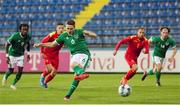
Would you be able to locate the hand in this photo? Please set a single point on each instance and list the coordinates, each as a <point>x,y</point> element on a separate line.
<point>7,60</point>
<point>115,52</point>
<point>28,58</point>
<point>171,59</point>
<point>37,45</point>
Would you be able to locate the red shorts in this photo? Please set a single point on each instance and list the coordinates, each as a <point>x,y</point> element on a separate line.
<point>54,62</point>
<point>131,61</point>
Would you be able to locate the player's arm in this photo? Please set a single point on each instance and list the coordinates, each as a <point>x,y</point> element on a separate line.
<point>146,46</point>
<point>89,34</point>
<point>56,42</point>
<point>28,51</point>
<point>45,40</point>
<point>48,44</point>
<point>153,39</point>
<point>124,40</point>
<point>173,44</point>
<point>7,50</point>
<point>8,44</point>
<point>173,55</point>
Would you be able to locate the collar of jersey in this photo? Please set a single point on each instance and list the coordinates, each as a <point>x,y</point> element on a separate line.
<point>21,35</point>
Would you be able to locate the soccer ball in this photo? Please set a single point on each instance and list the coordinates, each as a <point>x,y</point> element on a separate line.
<point>124,90</point>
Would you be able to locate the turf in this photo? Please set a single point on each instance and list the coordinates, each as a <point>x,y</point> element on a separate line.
<point>98,89</point>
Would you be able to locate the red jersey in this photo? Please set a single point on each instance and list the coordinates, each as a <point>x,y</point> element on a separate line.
<point>51,52</point>
<point>135,45</point>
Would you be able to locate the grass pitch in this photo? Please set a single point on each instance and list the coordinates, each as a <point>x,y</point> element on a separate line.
<point>98,89</point>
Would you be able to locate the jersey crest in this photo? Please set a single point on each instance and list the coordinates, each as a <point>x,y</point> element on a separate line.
<point>166,43</point>
<point>72,41</point>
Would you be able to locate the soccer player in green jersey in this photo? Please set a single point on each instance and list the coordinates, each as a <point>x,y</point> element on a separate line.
<point>15,48</point>
<point>162,43</point>
<point>74,39</point>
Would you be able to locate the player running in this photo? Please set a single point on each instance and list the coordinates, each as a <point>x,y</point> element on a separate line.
<point>162,43</point>
<point>51,56</point>
<point>15,48</point>
<point>74,39</point>
<point>135,44</point>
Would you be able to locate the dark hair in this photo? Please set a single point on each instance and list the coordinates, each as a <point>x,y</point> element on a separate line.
<point>71,22</point>
<point>164,27</point>
<point>59,24</point>
<point>23,25</point>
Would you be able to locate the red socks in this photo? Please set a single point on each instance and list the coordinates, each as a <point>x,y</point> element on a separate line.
<point>45,73</point>
<point>48,78</point>
<point>130,74</point>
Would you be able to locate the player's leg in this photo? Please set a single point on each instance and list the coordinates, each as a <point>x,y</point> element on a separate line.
<point>149,72</point>
<point>129,74</point>
<point>17,78</point>
<point>78,63</point>
<point>20,64</point>
<point>10,70</point>
<point>54,67</point>
<point>45,72</point>
<point>158,74</point>
<point>158,62</point>
<point>73,87</point>
<point>6,75</point>
<point>133,68</point>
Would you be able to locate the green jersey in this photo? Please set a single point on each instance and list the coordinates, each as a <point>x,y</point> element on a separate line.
<point>18,43</point>
<point>161,46</point>
<point>75,42</point>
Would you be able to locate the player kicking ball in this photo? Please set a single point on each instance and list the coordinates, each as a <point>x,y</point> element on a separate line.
<point>15,48</point>
<point>74,39</point>
<point>51,56</point>
<point>135,44</point>
<point>162,43</point>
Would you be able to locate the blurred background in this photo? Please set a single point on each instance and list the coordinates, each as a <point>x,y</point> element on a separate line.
<point>110,19</point>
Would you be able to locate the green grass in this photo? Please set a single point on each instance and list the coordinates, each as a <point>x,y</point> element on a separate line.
<point>98,89</point>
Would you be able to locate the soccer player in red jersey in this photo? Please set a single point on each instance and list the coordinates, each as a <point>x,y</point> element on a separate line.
<point>51,56</point>
<point>135,44</point>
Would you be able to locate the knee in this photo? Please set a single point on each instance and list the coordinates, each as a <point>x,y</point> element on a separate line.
<point>11,70</point>
<point>159,67</point>
<point>73,64</point>
<point>134,67</point>
<point>53,72</point>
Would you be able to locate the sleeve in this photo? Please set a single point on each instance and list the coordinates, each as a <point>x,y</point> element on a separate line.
<point>146,46</point>
<point>80,31</point>
<point>60,39</point>
<point>44,40</point>
<point>11,39</point>
<point>125,40</point>
<point>153,39</point>
<point>173,43</point>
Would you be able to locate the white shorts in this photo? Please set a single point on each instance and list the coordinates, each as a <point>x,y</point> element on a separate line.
<point>18,61</point>
<point>158,60</point>
<point>81,59</point>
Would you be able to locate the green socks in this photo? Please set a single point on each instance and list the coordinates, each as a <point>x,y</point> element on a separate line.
<point>78,70</point>
<point>158,75</point>
<point>18,76</point>
<point>7,74</point>
<point>73,87</point>
<point>150,72</point>
<point>75,83</point>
